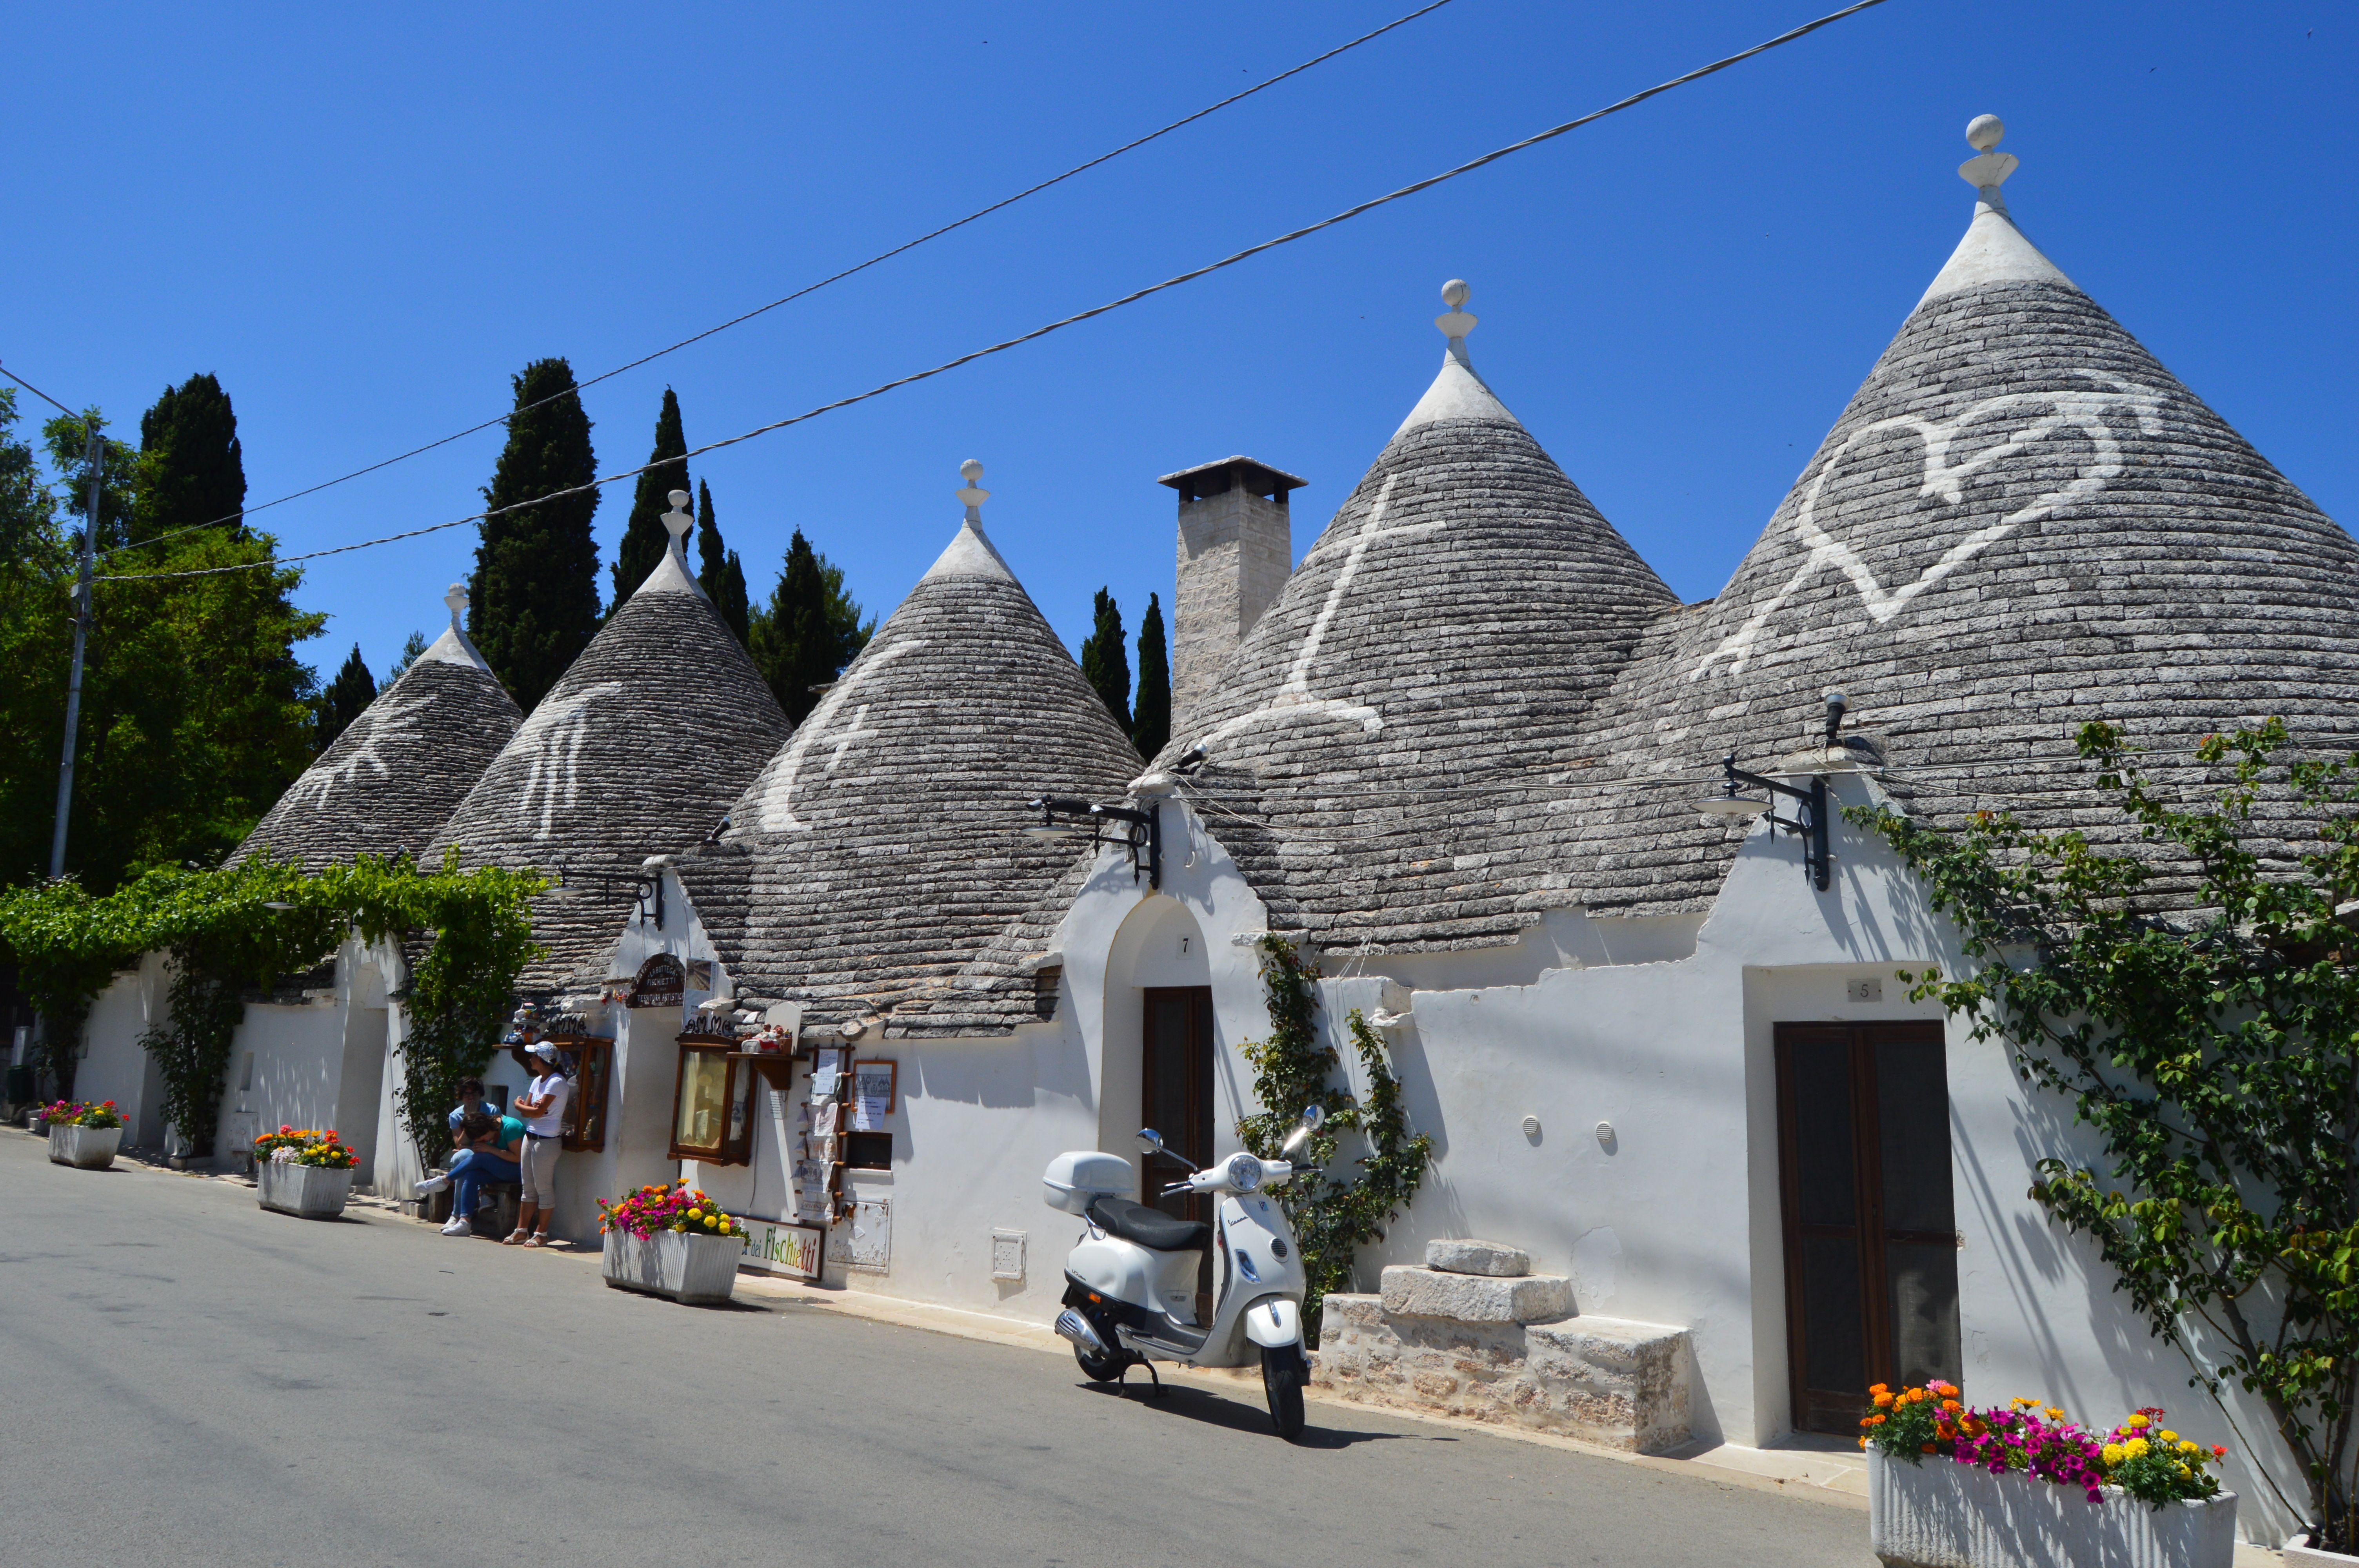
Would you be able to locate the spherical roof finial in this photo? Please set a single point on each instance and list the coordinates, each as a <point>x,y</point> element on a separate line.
<point>1983,132</point>
<point>457,600</point>
<point>1455,323</point>
<point>971,469</point>
<point>677,521</point>
<point>1455,293</point>
<point>973,495</point>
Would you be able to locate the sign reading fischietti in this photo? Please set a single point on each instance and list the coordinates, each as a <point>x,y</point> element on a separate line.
<point>777,1247</point>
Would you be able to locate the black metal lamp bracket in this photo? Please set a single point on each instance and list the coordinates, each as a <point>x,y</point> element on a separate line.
<point>1809,823</point>
<point>1139,832</point>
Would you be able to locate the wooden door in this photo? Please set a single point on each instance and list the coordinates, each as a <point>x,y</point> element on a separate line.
<point>1177,1059</point>
<point>1870,1232</point>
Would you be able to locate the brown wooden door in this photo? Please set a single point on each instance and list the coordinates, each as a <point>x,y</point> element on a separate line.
<point>1178,1103</point>
<point>1870,1232</point>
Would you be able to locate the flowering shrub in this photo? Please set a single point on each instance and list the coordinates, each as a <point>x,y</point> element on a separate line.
<point>82,1113</point>
<point>675,1208</point>
<point>2028,1437</point>
<point>306,1146</point>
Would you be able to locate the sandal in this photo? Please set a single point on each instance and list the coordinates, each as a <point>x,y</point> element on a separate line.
<point>538,1238</point>
<point>515,1237</point>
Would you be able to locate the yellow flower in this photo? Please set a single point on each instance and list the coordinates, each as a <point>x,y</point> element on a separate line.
<point>2055,1415</point>
<point>2169,1436</point>
<point>2137,1447</point>
<point>2186,1448</point>
<point>2112,1455</point>
<point>2134,1423</point>
<point>696,1213</point>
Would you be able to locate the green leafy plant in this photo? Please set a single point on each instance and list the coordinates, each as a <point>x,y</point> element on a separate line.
<point>1294,1068</point>
<point>466,937</point>
<point>2199,1005</point>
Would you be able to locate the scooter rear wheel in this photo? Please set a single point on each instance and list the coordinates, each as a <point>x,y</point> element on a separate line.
<point>1107,1369</point>
<point>1284,1372</point>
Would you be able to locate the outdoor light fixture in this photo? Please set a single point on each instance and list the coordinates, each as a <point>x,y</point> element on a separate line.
<point>645,883</point>
<point>1809,820</point>
<point>1140,832</point>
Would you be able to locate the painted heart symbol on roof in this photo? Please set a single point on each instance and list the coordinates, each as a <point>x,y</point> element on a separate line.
<point>2085,412</point>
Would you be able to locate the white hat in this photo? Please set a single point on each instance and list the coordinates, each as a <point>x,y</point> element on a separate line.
<point>544,1050</point>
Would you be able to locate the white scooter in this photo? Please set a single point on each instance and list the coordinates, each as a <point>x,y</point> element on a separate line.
<point>1130,1284</point>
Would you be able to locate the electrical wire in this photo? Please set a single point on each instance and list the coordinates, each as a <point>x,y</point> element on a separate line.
<point>36,392</point>
<point>978,213</point>
<point>1251,251</point>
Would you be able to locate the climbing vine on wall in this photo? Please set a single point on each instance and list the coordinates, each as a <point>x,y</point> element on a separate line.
<point>1293,1068</point>
<point>468,935</point>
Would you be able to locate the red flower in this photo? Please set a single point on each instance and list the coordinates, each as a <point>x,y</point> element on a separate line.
<point>284,1128</point>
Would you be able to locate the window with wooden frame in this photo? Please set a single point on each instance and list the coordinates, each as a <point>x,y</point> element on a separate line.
<point>712,1103</point>
<point>592,1064</point>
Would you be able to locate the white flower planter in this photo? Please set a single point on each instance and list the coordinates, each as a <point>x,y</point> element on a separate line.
<point>85,1148</point>
<point>698,1270</point>
<point>310,1192</point>
<point>2300,1553</point>
<point>1941,1514</point>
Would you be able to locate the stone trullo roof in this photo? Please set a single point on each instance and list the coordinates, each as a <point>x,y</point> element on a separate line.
<point>2021,521</point>
<point>1378,744</point>
<point>638,750</point>
<point>398,772</point>
<point>883,847</point>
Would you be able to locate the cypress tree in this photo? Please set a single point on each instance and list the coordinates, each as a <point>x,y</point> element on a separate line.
<point>809,631</point>
<point>1150,722</point>
<point>644,538</point>
<point>192,468</point>
<point>1105,663</point>
<point>411,646</point>
<point>352,690</point>
<point>718,571</point>
<point>535,590</point>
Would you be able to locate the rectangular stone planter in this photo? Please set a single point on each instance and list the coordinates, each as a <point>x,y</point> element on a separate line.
<point>1941,1514</point>
<point>85,1148</point>
<point>310,1192</point>
<point>700,1271</point>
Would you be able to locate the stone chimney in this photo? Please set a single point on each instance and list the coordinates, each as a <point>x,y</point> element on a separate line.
<point>1236,550</point>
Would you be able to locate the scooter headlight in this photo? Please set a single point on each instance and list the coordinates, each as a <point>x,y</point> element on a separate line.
<point>1244,1173</point>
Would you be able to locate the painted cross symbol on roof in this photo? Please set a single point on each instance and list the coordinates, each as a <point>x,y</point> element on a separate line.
<point>1293,699</point>
<point>844,738</point>
<point>777,783</point>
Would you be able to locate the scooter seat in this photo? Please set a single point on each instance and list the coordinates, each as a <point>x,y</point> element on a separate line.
<point>1149,1228</point>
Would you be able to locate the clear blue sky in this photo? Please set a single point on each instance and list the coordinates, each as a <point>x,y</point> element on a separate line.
<point>364,220</point>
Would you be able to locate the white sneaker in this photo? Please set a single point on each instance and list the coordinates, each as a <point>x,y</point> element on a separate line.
<point>459,1226</point>
<point>434,1183</point>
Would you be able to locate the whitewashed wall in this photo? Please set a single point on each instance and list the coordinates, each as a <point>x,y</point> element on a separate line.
<point>114,1064</point>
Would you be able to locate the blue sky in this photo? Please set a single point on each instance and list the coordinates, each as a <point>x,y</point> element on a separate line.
<point>364,220</point>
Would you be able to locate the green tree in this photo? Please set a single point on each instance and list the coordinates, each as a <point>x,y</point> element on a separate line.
<point>193,470</point>
<point>1150,722</point>
<point>809,631</point>
<point>1105,664</point>
<point>35,572</point>
<point>345,696</point>
<point>2195,998</point>
<point>411,646</point>
<point>196,713</point>
<point>644,538</point>
<point>534,595</point>
<point>718,572</point>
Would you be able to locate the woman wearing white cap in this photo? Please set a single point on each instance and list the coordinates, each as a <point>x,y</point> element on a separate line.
<point>543,1108</point>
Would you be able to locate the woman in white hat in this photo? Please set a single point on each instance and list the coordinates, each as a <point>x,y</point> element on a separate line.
<point>543,1108</point>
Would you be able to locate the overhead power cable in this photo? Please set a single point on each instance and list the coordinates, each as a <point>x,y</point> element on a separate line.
<point>1131,298</point>
<point>832,277</point>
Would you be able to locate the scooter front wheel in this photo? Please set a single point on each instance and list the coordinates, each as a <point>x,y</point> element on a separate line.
<point>1284,1372</point>
<point>1106,1369</point>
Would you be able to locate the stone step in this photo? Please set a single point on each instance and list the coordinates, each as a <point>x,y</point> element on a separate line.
<point>1471,1257</point>
<point>1475,1298</point>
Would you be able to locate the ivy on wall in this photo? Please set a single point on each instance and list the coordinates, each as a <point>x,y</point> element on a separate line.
<point>467,935</point>
<point>1294,1068</point>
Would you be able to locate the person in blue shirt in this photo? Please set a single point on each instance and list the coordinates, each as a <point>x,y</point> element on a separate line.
<point>488,1154</point>
<point>470,1100</point>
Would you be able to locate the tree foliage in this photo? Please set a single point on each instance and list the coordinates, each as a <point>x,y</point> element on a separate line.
<point>718,572</point>
<point>1105,664</point>
<point>346,699</point>
<point>1150,720</point>
<point>225,935</point>
<point>1294,1068</point>
<point>411,646</point>
<point>644,540</point>
<point>191,467</point>
<point>809,631</point>
<point>2196,999</point>
<point>534,604</point>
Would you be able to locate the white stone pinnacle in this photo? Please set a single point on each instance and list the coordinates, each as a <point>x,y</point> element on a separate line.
<point>677,522</point>
<point>1987,170</point>
<point>457,600</point>
<point>1455,324</point>
<point>973,494</point>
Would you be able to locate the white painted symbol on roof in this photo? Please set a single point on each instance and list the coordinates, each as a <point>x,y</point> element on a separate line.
<point>1293,699</point>
<point>786,769</point>
<point>385,720</point>
<point>2082,411</point>
<point>554,734</point>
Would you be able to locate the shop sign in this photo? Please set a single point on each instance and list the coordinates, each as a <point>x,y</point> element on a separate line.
<point>775,1247</point>
<point>661,982</point>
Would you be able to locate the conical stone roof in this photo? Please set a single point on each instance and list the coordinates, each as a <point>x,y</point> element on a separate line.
<point>882,847</point>
<point>2021,521</point>
<point>1376,743</point>
<point>398,772</point>
<point>638,750</point>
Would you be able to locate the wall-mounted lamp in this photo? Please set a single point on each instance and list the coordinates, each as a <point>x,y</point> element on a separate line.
<point>645,884</point>
<point>1809,820</point>
<point>1140,832</point>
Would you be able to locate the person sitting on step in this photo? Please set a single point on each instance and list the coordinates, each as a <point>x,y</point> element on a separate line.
<point>487,1156</point>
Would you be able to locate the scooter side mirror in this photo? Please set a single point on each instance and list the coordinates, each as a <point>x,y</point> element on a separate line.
<point>1151,1140</point>
<point>1313,1119</point>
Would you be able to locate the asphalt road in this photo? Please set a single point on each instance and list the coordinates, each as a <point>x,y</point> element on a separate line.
<point>191,1381</point>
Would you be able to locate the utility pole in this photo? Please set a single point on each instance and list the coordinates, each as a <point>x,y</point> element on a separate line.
<point>82,635</point>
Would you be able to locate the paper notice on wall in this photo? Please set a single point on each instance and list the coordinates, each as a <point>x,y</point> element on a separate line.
<point>872,1096</point>
<point>823,1082</point>
<point>829,1116</point>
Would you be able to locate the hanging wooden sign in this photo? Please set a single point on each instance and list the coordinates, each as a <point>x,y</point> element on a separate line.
<point>661,982</point>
